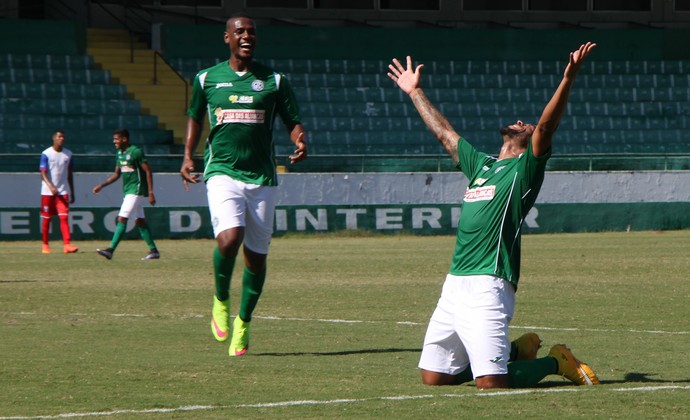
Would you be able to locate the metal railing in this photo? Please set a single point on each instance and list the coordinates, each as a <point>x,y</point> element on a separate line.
<point>99,162</point>
<point>157,55</point>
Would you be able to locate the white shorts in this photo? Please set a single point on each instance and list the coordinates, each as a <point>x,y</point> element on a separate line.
<point>234,203</point>
<point>133,206</point>
<point>470,327</point>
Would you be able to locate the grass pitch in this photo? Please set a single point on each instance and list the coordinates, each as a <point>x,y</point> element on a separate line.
<point>337,332</point>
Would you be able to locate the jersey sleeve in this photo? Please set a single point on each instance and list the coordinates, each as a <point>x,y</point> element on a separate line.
<point>535,165</point>
<point>139,156</point>
<point>43,166</point>
<point>468,158</point>
<point>197,103</point>
<point>288,109</point>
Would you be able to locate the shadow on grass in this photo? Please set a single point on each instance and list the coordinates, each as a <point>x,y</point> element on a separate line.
<point>342,353</point>
<point>640,377</point>
<point>629,378</point>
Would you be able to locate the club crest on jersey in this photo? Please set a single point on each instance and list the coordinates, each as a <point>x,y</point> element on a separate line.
<point>258,85</point>
<point>480,194</point>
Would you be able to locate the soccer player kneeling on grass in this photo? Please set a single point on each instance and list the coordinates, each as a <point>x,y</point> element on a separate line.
<point>467,336</point>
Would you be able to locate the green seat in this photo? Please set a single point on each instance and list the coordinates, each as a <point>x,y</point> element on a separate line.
<point>32,75</point>
<point>82,136</point>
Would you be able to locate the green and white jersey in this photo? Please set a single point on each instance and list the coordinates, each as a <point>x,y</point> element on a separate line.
<point>241,112</point>
<point>499,196</point>
<point>133,176</point>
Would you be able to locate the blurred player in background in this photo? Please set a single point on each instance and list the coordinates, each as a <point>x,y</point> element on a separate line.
<point>137,186</point>
<point>467,336</point>
<point>57,191</point>
<point>243,98</point>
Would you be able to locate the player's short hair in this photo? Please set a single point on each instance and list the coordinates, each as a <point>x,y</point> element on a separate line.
<point>122,132</point>
<point>239,15</point>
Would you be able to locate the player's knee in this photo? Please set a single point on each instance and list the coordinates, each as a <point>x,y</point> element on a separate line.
<point>436,379</point>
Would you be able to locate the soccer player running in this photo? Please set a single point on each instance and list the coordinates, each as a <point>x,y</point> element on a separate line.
<point>56,178</point>
<point>137,186</point>
<point>243,98</point>
<point>467,336</point>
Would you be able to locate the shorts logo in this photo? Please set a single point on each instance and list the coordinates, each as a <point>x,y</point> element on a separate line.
<point>480,194</point>
<point>258,85</point>
<point>496,359</point>
<point>247,116</point>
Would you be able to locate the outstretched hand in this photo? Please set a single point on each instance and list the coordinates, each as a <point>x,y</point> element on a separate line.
<point>577,58</point>
<point>406,78</point>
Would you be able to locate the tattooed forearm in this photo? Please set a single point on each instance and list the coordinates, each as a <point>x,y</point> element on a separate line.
<point>436,122</point>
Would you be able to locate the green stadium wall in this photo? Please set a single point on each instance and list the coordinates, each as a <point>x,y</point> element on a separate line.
<point>415,203</point>
<point>27,36</point>
<point>281,42</point>
<point>417,219</point>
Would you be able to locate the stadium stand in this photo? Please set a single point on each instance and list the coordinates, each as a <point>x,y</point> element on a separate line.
<point>41,92</point>
<point>633,99</point>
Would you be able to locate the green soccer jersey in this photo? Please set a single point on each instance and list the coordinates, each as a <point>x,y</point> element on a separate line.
<point>241,112</point>
<point>133,176</point>
<point>499,196</point>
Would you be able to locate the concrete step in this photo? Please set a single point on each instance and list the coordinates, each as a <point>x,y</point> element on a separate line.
<point>121,55</point>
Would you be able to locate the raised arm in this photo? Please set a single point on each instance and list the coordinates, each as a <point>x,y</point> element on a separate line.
<point>407,79</point>
<point>551,116</point>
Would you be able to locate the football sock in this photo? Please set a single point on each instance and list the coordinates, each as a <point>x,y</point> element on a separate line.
<point>467,376</point>
<point>146,236</point>
<point>252,285</point>
<point>222,268</point>
<point>46,229</point>
<point>64,228</point>
<point>528,373</point>
<point>117,236</point>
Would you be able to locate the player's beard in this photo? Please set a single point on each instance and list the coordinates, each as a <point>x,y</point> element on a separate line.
<point>507,131</point>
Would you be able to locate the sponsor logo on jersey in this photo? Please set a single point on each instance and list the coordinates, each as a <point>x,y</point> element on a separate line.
<point>222,85</point>
<point>479,182</point>
<point>249,116</point>
<point>126,168</point>
<point>236,99</point>
<point>480,194</point>
<point>497,170</point>
<point>258,85</point>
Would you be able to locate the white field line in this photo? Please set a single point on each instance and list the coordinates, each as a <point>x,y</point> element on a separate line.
<point>353,321</point>
<point>478,394</point>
